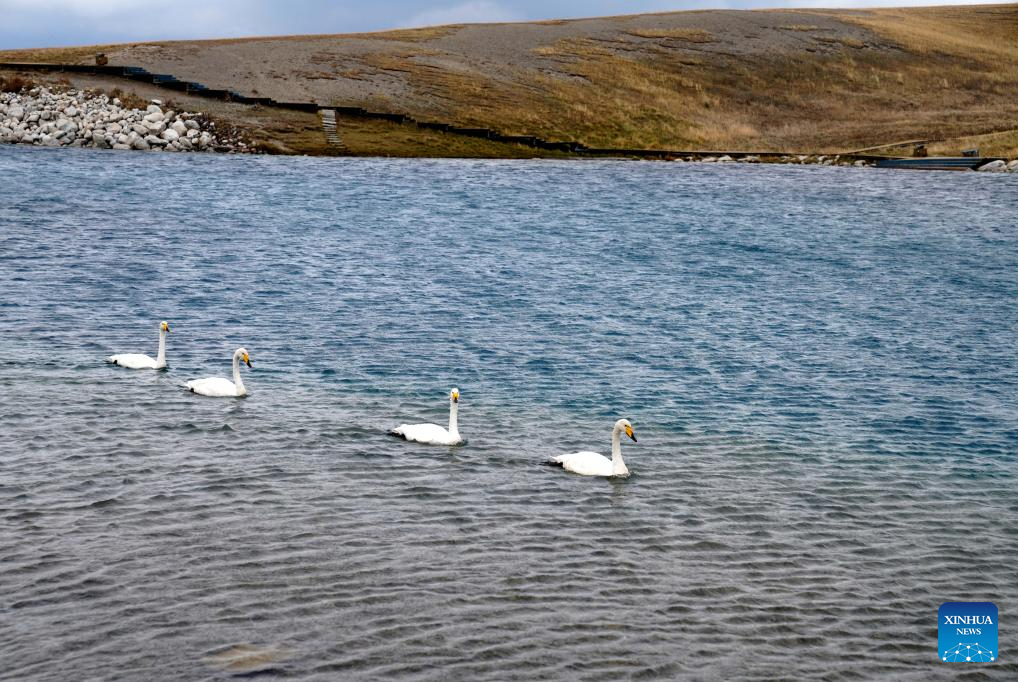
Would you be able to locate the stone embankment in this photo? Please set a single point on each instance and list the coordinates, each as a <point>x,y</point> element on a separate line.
<point>999,167</point>
<point>73,118</point>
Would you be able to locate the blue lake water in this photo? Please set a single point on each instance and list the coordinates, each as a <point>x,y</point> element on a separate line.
<point>820,365</point>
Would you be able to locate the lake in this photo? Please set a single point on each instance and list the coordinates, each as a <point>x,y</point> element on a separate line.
<point>819,363</point>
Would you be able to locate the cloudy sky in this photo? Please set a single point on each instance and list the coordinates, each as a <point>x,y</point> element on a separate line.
<point>38,23</point>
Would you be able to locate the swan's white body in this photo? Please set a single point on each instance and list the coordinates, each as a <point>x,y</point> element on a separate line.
<point>141,361</point>
<point>218,387</point>
<point>433,434</point>
<point>593,464</point>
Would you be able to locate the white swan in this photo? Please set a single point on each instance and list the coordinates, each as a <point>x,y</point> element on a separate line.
<point>433,434</point>
<point>217,387</point>
<point>140,361</point>
<point>593,464</point>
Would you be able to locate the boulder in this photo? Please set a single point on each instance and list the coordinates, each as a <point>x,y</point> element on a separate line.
<point>99,140</point>
<point>121,146</point>
<point>725,159</point>
<point>140,144</point>
<point>154,117</point>
<point>993,167</point>
<point>71,111</point>
<point>709,159</point>
<point>185,144</point>
<point>170,135</point>
<point>179,127</point>
<point>122,139</point>
<point>1013,166</point>
<point>17,112</point>
<point>155,141</point>
<point>153,108</point>
<point>192,125</point>
<point>139,129</point>
<point>155,128</point>
<point>192,133</point>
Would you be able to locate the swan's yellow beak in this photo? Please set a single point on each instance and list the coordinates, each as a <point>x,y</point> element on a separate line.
<point>455,396</point>
<point>247,359</point>
<point>629,432</point>
<point>166,327</point>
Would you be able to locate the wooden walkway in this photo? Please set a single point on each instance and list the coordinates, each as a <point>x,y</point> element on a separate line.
<point>329,126</point>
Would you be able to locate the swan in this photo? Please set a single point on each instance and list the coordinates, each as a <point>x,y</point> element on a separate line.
<point>593,464</point>
<point>140,361</point>
<point>217,387</point>
<point>433,434</point>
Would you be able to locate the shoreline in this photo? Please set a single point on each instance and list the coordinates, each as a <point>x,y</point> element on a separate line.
<point>331,118</point>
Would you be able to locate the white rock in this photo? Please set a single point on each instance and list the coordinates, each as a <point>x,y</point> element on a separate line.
<point>155,141</point>
<point>993,167</point>
<point>71,111</point>
<point>16,112</point>
<point>154,117</point>
<point>192,133</point>
<point>185,144</point>
<point>123,139</point>
<point>709,159</point>
<point>179,127</point>
<point>154,127</point>
<point>192,125</point>
<point>121,146</point>
<point>139,129</point>
<point>140,144</point>
<point>170,135</point>
<point>725,159</point>
<point>1013,166</point>
<point>99,140</point>
<point>154,108</point>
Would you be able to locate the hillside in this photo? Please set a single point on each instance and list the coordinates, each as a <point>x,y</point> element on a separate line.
<point>797,80</point>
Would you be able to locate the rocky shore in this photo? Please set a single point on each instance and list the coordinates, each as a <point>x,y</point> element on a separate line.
<point>74,118</point>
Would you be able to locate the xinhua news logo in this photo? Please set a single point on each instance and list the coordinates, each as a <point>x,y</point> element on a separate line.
<point>967,632</point>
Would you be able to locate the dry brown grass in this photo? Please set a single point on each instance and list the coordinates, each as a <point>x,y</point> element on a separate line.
<point>689,35</point>
<point>992,144</point>
<point>413,35</point>
<point>15,83</point>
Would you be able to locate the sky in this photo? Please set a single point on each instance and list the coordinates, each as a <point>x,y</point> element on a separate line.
<point>46,23</point>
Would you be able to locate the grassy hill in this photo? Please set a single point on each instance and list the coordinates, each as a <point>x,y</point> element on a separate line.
<point>795,80</point>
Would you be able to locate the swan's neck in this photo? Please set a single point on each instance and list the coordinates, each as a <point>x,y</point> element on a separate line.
<point>618,466</point>
<point>161,357</point>
<point>454,430</point>
<point>236,375</point>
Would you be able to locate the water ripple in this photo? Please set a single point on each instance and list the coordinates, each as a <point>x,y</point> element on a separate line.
<point>820,365</point>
